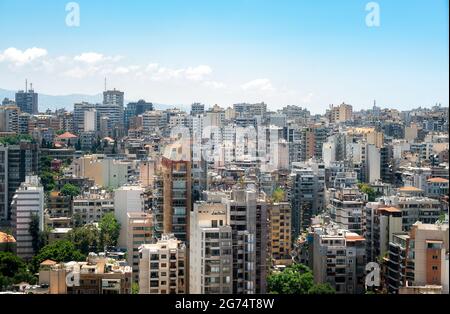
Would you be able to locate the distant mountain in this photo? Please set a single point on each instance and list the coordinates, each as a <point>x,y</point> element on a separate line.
<point>66,101</point>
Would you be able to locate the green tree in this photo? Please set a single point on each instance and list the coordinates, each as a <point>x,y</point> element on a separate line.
<point>76,220</point>
<point>58,251</point>
<point>86,238</point>
<point>47,180</point>
<point>322,288</point>
<point>45,163</point>
<point>295,279</point>
<point>34,232</point>
<point>16,139</point>
<point>109,230</point>
<point>59,132</point>
<point>39,237</point>
<point>134,288</point>
<point>13,270</point>
<point>278,195</point>
<point>70,190</point>
<point>367,189</point>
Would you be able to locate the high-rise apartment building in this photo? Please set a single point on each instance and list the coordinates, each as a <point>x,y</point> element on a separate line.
<point>339,259</point>
<point>28,201</point>
<point>341,113</point>
<point>18,160</point>
<point>280,232</point>
<point>248,220</point>
<point>307,194</point>
<point>197,109</point>
<point>346,208</point>
<point>210,251</point>
<point>4,205</point>
<point>380,225</point>
<point>162,267</point>
<point>9,119</point>
<point>79,110</point>
<point>90,207</point>
<point>27,101</point>
<point>139,232</point>
<point>113,97</point>
<point>176,173</point>
<point>127,199</point>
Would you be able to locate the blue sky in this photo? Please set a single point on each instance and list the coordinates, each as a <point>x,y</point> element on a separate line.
<point>310,53</point>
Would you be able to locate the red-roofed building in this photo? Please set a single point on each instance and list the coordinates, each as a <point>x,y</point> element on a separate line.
<point>67,138</point>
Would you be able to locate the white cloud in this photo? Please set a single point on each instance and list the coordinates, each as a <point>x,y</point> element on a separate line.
<point>81,72</point>
<point>214,84</point>
<point>258,85</point>
<point>19,57</point>
<point>126,69</point>
<point>152,67</point>
<point>94,57</point>
<point>160,73</point>
<point>198,73</point>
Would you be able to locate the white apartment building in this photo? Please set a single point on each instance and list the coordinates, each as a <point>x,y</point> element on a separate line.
<point>127,199</point>
<point>414,208</point>
<point>90,120</point>
<point>162,267</point>
<point>27,201</point>
<point>91,207</point>
<point>339,259</point>
<point>346,208</point>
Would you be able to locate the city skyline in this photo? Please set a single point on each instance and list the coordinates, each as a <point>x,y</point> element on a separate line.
<point>297,53</point>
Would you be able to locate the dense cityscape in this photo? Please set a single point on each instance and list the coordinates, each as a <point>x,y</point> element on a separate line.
<point>121,197</point>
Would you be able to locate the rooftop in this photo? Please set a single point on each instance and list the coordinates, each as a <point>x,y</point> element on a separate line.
<point>6,238</point>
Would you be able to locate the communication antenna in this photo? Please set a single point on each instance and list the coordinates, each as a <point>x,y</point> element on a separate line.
<point>26,85</point>
<point>105,84</point>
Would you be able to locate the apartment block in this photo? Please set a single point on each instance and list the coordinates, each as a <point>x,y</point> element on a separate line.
<point>381,223</point>
<point>210,252</point>
<point>280,232</point>
<point>339,259</point>
<point>27,202</point>
<point>162,267</point>
<point>346,208</point>
<point>139,232</point>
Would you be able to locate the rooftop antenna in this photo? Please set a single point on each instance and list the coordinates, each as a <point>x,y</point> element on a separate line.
<point>31,86</point>
<point>105,84</point>
<point>26,85</point>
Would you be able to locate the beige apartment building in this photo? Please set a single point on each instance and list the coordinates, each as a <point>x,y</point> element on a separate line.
<point>280,241</point>
<point>139,232</point>
<point>162,267</point>
<point>105,171</point>
<point>98,275</point>
<point>210,252</point>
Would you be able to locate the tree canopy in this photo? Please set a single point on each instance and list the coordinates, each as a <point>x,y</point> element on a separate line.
<point>86,238</point>
<point>296,279</point>
<point>58,251</point>
<point>109,230</point>
<point>16,139</point>
<point>70,190</point>
<point>13,270</point>
<point>367,189</point>
<point>278,195</point>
